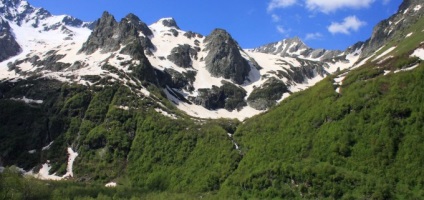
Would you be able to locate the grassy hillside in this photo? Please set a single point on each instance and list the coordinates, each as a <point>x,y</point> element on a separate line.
<point>364,143</point>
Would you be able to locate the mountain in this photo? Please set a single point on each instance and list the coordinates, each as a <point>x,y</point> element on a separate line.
<point>124,103</point>
<point>409,13</point>
<point>208,76</point>
<point>295,47</point>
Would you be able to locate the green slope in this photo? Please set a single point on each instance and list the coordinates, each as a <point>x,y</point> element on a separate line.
<point>365,143</point>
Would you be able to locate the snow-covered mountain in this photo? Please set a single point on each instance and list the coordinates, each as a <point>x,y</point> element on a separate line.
<point>205,76</point>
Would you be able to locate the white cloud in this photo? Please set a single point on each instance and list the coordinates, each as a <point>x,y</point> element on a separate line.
<point>327,6</point>
<point>385,2</point>
<point>313,36</point>
<point>275,18</point>
<point>351,23</point>
<point>280,4</point>
<point>281,30</point>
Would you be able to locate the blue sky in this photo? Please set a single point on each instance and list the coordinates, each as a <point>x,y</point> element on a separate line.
<point>329,24</point>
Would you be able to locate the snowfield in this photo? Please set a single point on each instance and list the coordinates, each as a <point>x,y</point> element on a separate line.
<point>67,41</point>
<point>419,53</point>
<point>44,173</point>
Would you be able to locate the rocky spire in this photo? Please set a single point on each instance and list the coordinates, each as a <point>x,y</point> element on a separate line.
<point>224,58</point>
<point>109,35</point>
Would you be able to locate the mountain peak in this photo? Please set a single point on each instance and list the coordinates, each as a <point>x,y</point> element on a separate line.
<point>106,15</point>
<point>294,39</point>
<point>11,2</point>
<point>137,23</point>
<point>168,22</point>
<point>224,58</point>
<point>132,17</point>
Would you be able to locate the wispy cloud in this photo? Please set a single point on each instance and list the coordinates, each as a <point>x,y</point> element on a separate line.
<point>274,4</point>
<point>328,6</point>
<point>313,36</point>
<point>325,6</point>
<point>351,23</point>
<point>281,29</point>
<point>275,18</point>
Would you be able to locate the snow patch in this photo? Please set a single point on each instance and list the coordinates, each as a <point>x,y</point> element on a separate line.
<point>417,8</point>
<point>47,147</point>
<point>407,69</point>
<point>44,173</point>
<point>201,112</point>
<point>384,53</point>
<point>308,83</point>
<point>419,53</point>
<point>409,35</point>
<point>111,184</point>
<point>396,23</point>
<point>71,159</point>
<point>285,96</point>
<point>338,90</point>
<point>123,107</point>
<point>404,12</point>
<point>384,59</point>
<point>28,101</point>
<point>164,113</point>
<point>338,81</point>
<point>32,151</point>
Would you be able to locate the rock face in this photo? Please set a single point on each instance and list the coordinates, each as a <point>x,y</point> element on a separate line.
<point>267,95</point>
<point>408,13</point>
<point>102,35</point>
<point>131,34</point>
<point>8,45</point>
<point>109,35</point>
<point>17,11</point>
<point>170,22</point>
<point>174,79</point>
<point>228,96</point>
<point>308,70</point>
<point>182,55</point>
<point>20,12</point>
<point>224,58</point>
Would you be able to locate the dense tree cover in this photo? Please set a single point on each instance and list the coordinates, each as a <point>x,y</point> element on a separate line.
<point>363,143</point>
<point>119,137</point>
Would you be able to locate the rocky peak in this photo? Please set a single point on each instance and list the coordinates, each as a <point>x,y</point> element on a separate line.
<point>136,24</point>
<point>102,35</point>
<point>109,35</point>
<point>295,47</point>
<point>169,22</point>
<point>354,48</point>
<point>295,40</point>
<point>72,21</point>
<point>224,58</point>
<point>285,47</point>
<point>19,11</point>
<point>408,13</point>
<point>107,19</point>
<point>414,5</point>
